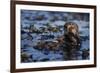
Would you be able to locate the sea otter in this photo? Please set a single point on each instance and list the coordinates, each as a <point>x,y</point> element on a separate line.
<point>71,41</point>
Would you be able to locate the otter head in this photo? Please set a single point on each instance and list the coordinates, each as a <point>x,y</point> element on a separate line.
<point>71,27</point>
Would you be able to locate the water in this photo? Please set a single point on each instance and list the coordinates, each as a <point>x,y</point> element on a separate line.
<point>47,19</point>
